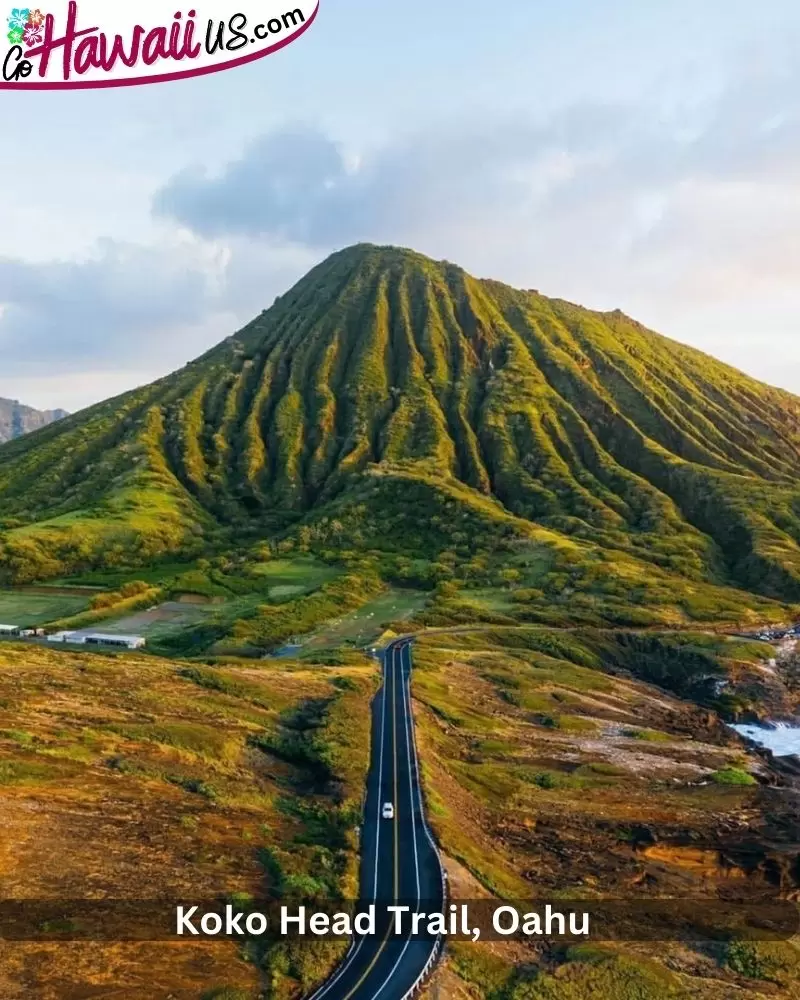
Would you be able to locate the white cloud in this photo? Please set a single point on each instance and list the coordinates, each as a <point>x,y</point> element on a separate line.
<point>590,203</point>
<point>74,332</point>
<point>687,220</point>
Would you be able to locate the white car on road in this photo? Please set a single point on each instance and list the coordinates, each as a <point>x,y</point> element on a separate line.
<point>388,810</point>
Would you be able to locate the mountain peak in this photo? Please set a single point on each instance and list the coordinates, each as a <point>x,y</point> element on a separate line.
<point>379,257</point>
<point>533,412</point>
<point>17,419</point>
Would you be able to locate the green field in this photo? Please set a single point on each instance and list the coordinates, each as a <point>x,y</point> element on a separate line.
<point>273,582</point>
<point>287,578</point>
<point>492,599</point>
<point>164,620</point>
<point>278,577</point>
<point>301,572</point>
<point>33,610</point>
<point>366,624</point>
<point>113,579</point>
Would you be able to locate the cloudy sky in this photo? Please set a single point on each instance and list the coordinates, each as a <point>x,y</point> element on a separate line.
<point>620,153</point>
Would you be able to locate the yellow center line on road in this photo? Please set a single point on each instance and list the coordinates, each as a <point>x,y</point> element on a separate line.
<point>385,941</point>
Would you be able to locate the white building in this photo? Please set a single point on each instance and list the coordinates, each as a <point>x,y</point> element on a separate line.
<point>103,639</point>
<point>65,637</point>
<point>9,629</point>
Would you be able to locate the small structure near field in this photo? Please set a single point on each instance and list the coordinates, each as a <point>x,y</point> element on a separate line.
<point>63,637</point>
<point>84,638</point>
<point>9,630</point>
<point>103,639</point>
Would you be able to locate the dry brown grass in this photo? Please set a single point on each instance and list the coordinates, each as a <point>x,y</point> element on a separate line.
<point>93,750</point>
<point>544,782</point>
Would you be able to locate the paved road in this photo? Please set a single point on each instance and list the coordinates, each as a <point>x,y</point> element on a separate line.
<point>399,862</point>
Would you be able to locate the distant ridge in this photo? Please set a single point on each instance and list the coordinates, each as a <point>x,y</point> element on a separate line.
<point>16,419</point>
<point>389,403</point>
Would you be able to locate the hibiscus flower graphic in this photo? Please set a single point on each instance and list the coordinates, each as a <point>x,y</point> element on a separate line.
<point>35,18</point>
<point>15,36</point>
<point>33,35</point>
<point>19,18</point>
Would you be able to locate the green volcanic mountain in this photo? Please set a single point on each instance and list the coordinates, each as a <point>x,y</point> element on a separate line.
<point>395,409</point>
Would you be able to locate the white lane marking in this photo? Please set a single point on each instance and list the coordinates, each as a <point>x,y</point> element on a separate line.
<point>423,818</point>
<point>380,780</point>
<point>351,955</point>
<point>406,707</point>
<point>406,713</point>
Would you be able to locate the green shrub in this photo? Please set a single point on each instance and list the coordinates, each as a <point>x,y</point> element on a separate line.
<point>733,776</point>
<point>595,977</point>
<point>647,735</point>
<point>193,785</point>
<point>768,961</point>
<point>227,993</point>
<point>17,736</point>
<point>13,772</point>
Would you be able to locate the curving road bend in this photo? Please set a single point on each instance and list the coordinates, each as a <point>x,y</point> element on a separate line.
<point>399,861</point>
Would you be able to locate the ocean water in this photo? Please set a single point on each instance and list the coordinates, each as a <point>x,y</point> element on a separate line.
<point>783,740</point>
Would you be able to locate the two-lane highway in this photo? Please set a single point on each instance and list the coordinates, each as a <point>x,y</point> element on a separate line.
<point>399,861</point>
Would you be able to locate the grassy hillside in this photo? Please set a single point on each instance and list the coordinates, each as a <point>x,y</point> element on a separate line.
<point>454,429</point>
<point>151,780</point>
<point>553,771</point>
